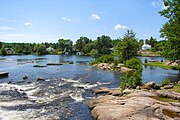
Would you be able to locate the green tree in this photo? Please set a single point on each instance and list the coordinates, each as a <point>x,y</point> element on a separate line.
<point>171,29</point>
<point>40,49</point>
<point>134,78</point>
<point>0,44</point>
<point>103,44</point>
<point>152,42</point>
<point>94,53</point>
<point>3,51</point>
<point>66,45</point>
<point>128,48</point>
<point>81,43</point>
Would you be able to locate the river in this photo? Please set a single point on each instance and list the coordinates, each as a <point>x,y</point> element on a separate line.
<point>66,88</point>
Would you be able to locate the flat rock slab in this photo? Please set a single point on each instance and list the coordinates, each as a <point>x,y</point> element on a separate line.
<point>55,64</point>
<point>135,106</point>
<point>4,74</point>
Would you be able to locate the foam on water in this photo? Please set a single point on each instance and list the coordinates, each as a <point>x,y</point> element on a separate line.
<point>69,80</point>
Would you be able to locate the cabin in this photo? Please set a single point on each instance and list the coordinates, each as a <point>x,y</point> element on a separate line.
<point>79,53</point>
<point>50,49</point>
<point>9,50</point>
<point>66,53</point>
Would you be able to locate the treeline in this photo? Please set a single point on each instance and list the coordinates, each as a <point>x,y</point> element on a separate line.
<point>103,45</point>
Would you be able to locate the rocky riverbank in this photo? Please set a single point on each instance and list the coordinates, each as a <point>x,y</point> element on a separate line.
<point>107,66</point>
<point>143,103</point>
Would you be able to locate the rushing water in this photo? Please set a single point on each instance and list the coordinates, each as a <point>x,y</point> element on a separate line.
<point>66,88</point>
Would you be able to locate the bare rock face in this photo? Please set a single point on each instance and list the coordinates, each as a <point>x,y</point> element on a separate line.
<point>108,91</point>
<point>169,94</point>
<point>125,70</point>
<point>151,85</point>
<point>137,105</point>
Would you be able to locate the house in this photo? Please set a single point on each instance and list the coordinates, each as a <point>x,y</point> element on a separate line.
<point>9,50</point>
<point>146,46</point>
<point>50,49</point>
<point>79,53</point>
<point>66,53</point>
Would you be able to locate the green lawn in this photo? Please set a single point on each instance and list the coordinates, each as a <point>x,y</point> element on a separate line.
<point>162,65</point>
<point>164,99</point>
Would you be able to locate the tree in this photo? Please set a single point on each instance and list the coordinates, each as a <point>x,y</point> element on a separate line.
<point>3,51</point>
<point>171,29</point>
<point>81,43</point>
<point>133,78</point>
<point>128,48</point>
<point>65,45</point>
<point>152,42</point>
<point>40,49</point>
<point>94,53</point>
<point>103,44</point>
<point>0,44</point>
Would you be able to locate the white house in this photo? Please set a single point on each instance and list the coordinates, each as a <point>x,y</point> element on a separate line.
<point>50,49</point>
<point>146,46</point>
<point>79,53</point>
<point>9,50</point>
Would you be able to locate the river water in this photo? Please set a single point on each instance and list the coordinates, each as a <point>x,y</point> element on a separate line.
<point>66,88</point>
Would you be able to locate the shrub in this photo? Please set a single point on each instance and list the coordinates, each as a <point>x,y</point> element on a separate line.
<point>145,61</point>
<point>164,82</point>
<point>3,51</point>
<point>106,59</point>
<point>132,79</point>
<point>134,63</point>
<point>94,62</point>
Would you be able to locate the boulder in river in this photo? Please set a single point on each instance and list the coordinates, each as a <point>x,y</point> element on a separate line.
<point>25,77</point>
<point>151,85</point>
<point>125,70</point>
<point>40,79</point>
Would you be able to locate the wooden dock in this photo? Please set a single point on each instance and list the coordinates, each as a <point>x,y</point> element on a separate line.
<point>4,74</point>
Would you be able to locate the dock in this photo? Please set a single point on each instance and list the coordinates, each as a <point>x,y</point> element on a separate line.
<point>4,74</point>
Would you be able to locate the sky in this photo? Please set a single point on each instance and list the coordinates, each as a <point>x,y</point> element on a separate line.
<point>39,21</point>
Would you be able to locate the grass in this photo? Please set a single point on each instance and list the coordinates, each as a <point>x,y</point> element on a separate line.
<point>164,99</point>
<point>176,88</point>
<point>162,65</point>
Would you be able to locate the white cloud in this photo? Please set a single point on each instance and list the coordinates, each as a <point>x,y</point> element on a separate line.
<point>7,20</point>
<point>11,37</point>
<point>6,28</point>
<point>28,24</point>
<point>95,17</point>
<point>145,35</point>
<point>67,19</point>
<point>158,4</point>
<point>119,27</point>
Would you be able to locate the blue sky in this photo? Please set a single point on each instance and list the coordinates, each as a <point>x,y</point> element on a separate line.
<point>48,20</point>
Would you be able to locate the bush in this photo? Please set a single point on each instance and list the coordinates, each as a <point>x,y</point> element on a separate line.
<point>106,59</point>
<point>132,79</point>
<point>134,63</point>
<point>164,82</point>
<point>145,61</point>
<point>93,62</point>
<point>3,51</point>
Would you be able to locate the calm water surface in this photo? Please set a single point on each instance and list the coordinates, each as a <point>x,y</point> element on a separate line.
<point>66,88</point>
